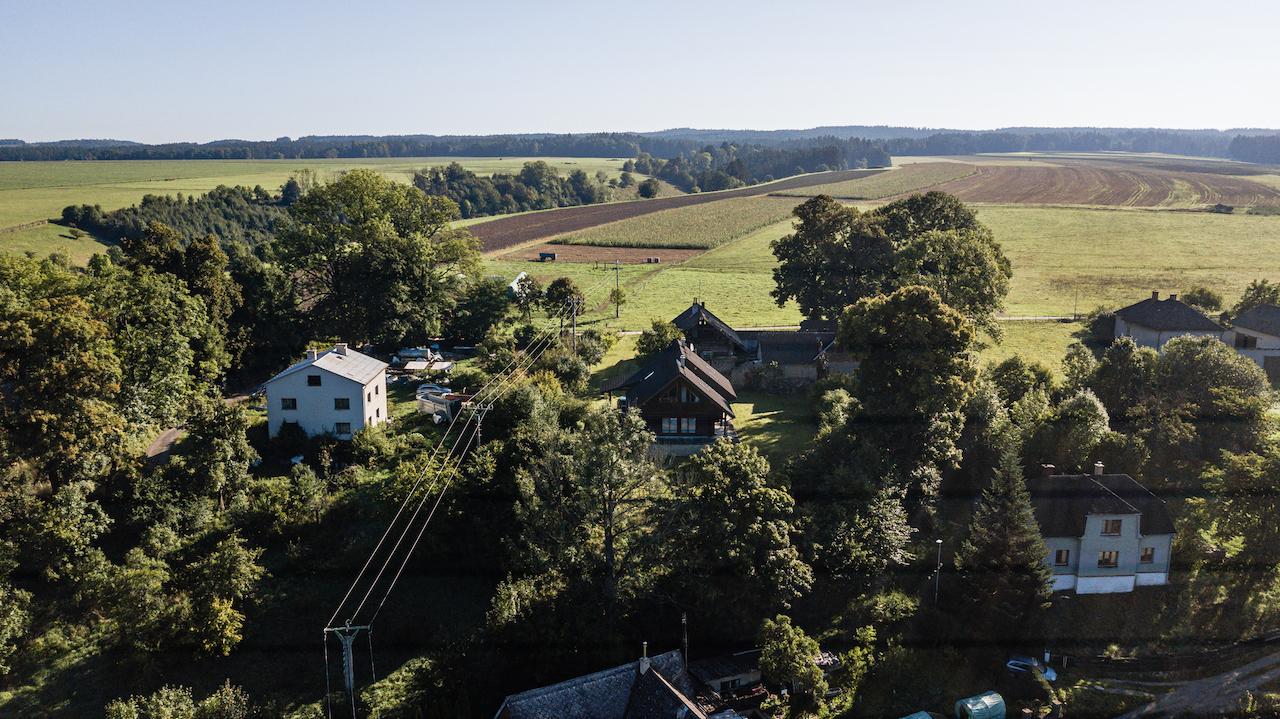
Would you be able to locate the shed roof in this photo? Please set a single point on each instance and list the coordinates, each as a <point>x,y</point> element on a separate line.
<point>1063,502</point>
<point>790,347</point>
<point>1263,318</point>
<point>710,670</point>
<point>622,692</point>
<point>341,361</point>
<point>1167,315</point>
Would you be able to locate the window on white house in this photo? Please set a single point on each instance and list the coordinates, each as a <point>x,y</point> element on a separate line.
<point>368,397</point>
<point>313,380</point>
<point>1062,557</point>
<point>1108,559</point>
<point>1148,555</point>
<point>377,412</point>
<point>375,389</point>
<point>1246,342</point>
<point>688,425</point>
<point>288,403</point>
<point>342,403</point>
<point>342,428</point>
<point>670,425</point>
<point>1111,527</point>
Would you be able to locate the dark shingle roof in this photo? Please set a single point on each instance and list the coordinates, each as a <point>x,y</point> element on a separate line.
<point>605,694</point>
<point>698,314</point>
<point>677,360</point>
<point>1167,314</point>
<point>714,669</point>
<point>1062,502</point>
<point>1263,318</point>
<point>789,347</point>
<point>654,696</point>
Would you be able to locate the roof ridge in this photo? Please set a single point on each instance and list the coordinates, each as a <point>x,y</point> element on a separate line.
<point>1108,490</point>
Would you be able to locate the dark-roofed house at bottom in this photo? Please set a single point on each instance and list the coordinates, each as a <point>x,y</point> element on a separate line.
<point>649,688</point>
<point>1153,322</point>
<point>1105,532</point>
<point>684,400</point>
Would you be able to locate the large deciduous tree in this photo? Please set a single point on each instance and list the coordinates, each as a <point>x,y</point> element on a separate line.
<point>915,375</point>
<point>729,538</point>
<point>838,255</point>
<point>376,260</point>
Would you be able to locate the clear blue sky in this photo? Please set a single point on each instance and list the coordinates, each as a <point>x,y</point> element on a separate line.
<point>175,70</point>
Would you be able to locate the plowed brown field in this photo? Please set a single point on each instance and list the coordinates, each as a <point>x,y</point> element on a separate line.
<point>517,229</point>
<point>1101,184</point>
<point>597,253</point>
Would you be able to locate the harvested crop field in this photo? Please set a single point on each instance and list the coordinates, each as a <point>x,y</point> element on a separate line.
<point>698,227</point>
<point>518,229</point>
<point>1079,183</point>
<point>907,178</point>
<point>596,253</point>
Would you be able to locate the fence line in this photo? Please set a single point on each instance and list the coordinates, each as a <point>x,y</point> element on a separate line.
<point>24,226</point>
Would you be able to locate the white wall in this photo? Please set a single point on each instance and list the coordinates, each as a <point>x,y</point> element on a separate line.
<point>1155,339</point>
<point>1104,585</point>
<point>315,412</point>
<point>1152,579</point>
<point>1064,582</point>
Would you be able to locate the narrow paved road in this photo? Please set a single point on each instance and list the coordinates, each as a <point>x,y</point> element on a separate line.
<point>1212,694</point>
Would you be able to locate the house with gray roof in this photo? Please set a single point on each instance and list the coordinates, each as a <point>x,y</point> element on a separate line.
<point>657,687</point>
<point>335,392</point>
<point>1105,532</point>
<point>1153,322</point>
<point>1256,335</point>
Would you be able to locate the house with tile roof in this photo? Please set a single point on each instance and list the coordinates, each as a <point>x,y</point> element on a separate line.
<point>684,401</point>
<point>1105,532</point>
<point>335,392</point>
<point>657,687</point>
<point>1256,335</point>
<point>1153,322</point>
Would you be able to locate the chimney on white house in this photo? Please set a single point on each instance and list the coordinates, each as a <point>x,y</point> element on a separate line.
<point>340,348</point>
<point>644,657</point>
<point>1173,295</point>
<point>1155,294</point>
<point>311,354</point>
<point>1098,469</point>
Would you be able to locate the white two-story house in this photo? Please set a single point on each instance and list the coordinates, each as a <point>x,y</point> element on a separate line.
<point>336,392</point>
<point>1256,334</point>
<point>1104,532</point>
<point>1153,322</point>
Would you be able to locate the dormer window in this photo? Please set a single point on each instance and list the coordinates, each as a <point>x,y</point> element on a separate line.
<point>1111,527</point>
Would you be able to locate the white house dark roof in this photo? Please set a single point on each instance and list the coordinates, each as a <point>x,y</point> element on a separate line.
<point>341,361</point>
<point>623,692</point>
<point>1169,314</point>
<point>1263,318</point>
<point>1063,502</point>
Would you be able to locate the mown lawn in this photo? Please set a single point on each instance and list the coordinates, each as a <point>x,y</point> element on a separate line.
<point>778,425</point>
<point>1043,342</point>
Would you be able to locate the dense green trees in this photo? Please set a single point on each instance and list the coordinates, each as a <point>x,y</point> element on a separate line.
<point>730,548</point>
<point>375,260</point>
<point>235,215</point>
<point>535,187</point>
<point>788,655</point>
<point>839,255</point>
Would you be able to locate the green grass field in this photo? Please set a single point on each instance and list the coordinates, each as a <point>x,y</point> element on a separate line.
<point>39,190</point>
<point>698,226</point>
<point>1069,259</point>
<point>907,178</point>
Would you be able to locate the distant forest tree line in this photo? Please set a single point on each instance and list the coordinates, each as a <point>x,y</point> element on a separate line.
<point>857,144</point>
<point>726,166</point>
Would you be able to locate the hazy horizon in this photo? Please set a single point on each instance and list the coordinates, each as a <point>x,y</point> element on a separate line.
<point>153,72</point>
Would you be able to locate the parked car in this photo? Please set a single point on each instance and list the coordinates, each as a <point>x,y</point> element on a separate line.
<point>429,388</point>
<point>1029,665</point>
